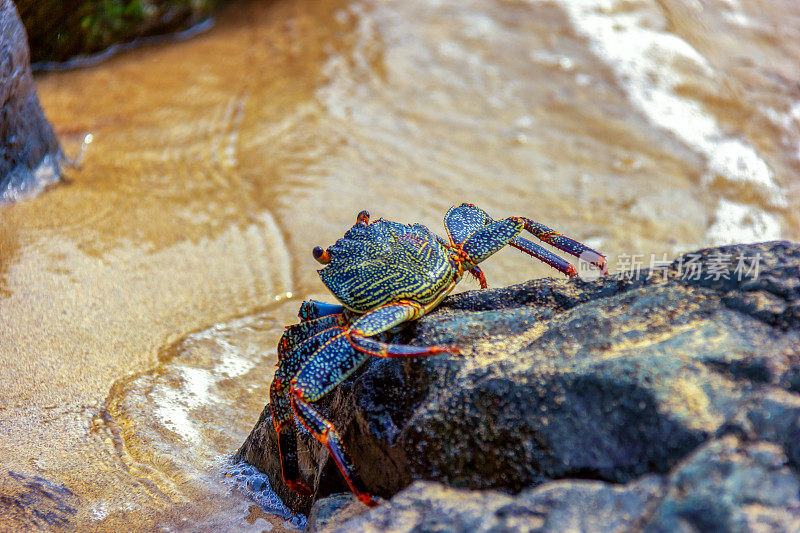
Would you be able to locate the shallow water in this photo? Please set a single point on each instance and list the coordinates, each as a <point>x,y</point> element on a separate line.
<point>141,300</point>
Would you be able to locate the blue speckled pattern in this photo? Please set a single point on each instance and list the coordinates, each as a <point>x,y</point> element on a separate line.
<point>384,262</point>
<point>543,254</point>
<point>386,317</point>
<point>463,220</point>
<point>301,355</point>
<point>334,362</point>
<point>489,239</point>
<point>382,349</point>
<point>297,334</point>
<point>562,242</point>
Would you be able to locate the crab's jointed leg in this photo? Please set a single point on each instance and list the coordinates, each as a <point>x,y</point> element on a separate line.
<point>344,350</point>
<point>311,309</point>
<point>478,274</point>
<point>487,240</point>
<point>332,363</point>
<point>464,221</point>
<point>281,408</point>
<point>544,255</point>
<point>383,319</point>
<point>571,246</point>
<point>297,334</point>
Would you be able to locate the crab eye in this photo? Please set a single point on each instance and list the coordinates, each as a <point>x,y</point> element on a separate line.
<point>363,217</point>
<point>321,255</point>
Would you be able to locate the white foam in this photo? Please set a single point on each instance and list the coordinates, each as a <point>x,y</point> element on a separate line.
<point>23,183</point>
<point>738,223</point>
<point>788,121</point>
<point>233,363</point>
<point>174,405</point>
<point>734,14</point>
<point>651,65</point>
<point>546,57</point>
<point>735,160</point>
<point>478,26</point>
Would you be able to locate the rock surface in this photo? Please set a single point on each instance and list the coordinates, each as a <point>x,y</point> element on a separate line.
<point>679,397</point>
<point>726,485</point>
<point>29,151</point>
<point>333,511</point>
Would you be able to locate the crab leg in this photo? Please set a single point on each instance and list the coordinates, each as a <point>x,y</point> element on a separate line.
<point>465,221</point>
<point>297,334</point>
<point>324,431</point>
<point>311,309</point>
<point>386,317</point>
<point>477,273</point>
<point>487,240</point>
<point>332,363</point>
<point>383,319</point>
<point>283,419</point>
<point>545,255</point>
<point>282,411</point>
<point>566,244</point>
<point>382,349</point>
<point>335,360</point>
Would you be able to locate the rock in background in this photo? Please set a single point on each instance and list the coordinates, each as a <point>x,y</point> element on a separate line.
<point>677,395</point>
<point>59,31</point>
<point>29,150</point>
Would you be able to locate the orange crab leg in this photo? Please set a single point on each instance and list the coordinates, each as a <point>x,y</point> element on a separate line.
<point>477,273</point>
<point>283,419</point>
<point>282,411</point>
<point>325,433</point>
<point>382,349</point>
<point>332,363</point>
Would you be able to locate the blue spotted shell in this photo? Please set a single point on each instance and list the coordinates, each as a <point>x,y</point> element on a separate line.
<point>384,262</point>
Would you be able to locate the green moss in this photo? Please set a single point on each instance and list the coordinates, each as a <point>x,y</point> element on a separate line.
<point>59,30</point>
<point>109,18</point>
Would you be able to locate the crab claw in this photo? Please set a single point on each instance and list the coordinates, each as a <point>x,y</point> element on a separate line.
<point>321,255</point>
<point>363,218</point>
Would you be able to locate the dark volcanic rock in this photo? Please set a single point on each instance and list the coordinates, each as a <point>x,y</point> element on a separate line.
<point>332,511</point>
<point>619,380</point>
<point>558,506</point>
<point>29,151</point>
<point>726,486</point>
<point>729,485</point>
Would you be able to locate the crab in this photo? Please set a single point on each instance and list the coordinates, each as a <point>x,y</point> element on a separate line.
<point>384,274</point>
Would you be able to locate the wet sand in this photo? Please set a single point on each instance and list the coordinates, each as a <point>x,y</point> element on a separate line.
<point>217,164</point>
